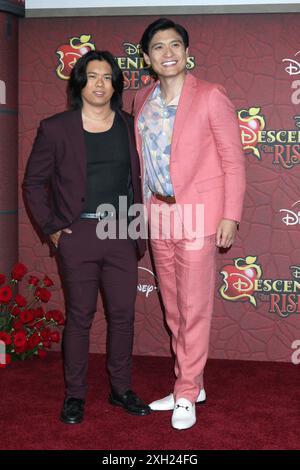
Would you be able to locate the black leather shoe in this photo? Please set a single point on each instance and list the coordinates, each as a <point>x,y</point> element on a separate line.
<point>130,402</point>
<point>72,411</point>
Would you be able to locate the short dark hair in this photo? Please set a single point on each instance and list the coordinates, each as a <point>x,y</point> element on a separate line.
<point>161,25</point>
<point>78,79</point>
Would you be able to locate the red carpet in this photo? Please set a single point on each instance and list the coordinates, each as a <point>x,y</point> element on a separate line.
<point>250,405</point>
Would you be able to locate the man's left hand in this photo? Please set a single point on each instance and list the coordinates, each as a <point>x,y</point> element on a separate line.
<point>226,233</point>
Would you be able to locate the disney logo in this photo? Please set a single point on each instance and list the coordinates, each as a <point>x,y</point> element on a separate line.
<point>248,135</point>
<point>147,288</point>
<point>243,284</point>
<point>294,67</point>
<point>291,218</point>
<point>131,49</point>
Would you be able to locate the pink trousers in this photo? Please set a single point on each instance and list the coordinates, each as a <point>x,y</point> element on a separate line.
<point>186,272</point>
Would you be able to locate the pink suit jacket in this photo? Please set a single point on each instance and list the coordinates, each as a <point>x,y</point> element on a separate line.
<point>207,163</point>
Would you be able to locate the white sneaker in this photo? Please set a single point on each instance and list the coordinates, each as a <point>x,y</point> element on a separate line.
<point>184,414</point>
<point>168,403</point>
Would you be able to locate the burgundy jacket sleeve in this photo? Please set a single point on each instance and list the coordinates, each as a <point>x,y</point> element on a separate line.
<point>37,179</point>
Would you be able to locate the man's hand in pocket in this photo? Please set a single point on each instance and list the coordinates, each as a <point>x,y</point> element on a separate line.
<point>54,237</point>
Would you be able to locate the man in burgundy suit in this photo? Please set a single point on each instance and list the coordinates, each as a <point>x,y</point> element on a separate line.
<point>82,159</point>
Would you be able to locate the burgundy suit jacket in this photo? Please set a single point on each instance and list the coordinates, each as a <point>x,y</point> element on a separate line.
<point>54,185</point>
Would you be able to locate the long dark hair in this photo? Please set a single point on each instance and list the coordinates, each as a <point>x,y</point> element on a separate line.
<point>78,79</point>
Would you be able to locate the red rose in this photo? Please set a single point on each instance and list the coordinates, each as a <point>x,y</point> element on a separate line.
<point>5,337</point>
<point>46,344</point>
<point>60,318</point>
<point>47,281</point>
<point>18,271</point>
<point>39,325</point>
<point>17,325</point>
<point>41,353</point>
<point>54,336</point>
<point>48,316</point>
<point>39,312</point>
<point>42,294</point>
<point>33,341</point>
<point>5,294</point>
<point>2,279</point>
<point>26,316</point>
<point>6,361</point>
<point>20,341</point>
<point>33,281</point>
<point>20,300</point>
<point>15,311</point>
<point>8,358</point>
<point>45,334</point>
<point>57,316</point>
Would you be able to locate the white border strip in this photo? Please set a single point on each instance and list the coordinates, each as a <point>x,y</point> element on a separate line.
<point>159,11</point>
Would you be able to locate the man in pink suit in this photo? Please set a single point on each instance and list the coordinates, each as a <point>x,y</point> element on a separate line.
<point>191,163</point>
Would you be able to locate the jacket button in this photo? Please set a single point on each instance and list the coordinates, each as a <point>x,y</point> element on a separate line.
<point>82,199</point>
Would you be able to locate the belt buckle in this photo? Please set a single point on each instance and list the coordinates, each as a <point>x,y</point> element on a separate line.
<point>105,215</point>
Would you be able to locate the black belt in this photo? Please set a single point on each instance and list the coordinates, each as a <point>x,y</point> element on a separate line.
<point>99,215</point>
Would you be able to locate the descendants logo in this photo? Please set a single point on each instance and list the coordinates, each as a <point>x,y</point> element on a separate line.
<point>135,71</point>
<point>68,54</point>
<point>283,144</point>
<point>243,282</point>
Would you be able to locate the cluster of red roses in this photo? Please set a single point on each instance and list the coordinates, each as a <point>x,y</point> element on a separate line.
<point>26,330</point>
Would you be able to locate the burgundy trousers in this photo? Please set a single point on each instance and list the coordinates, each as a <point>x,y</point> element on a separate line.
<point>87,264</point>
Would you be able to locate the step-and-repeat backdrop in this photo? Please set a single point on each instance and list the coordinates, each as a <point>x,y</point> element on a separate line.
<point>257,59</point>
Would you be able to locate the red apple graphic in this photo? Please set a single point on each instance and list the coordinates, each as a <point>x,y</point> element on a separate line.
<point>239,279</point>
<point>251,123</point>
<point>249,131</point>
<point>146,79</point>
<point>70,53</point>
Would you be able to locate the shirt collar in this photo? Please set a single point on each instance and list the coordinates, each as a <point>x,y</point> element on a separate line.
<point>156,94</point>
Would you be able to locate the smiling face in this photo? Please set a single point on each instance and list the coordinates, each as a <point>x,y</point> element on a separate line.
<point>167,54</point>
<point>98,89</point>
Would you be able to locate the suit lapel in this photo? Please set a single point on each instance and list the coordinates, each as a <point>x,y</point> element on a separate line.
<point>74,130</point>
<point>143,99</point>
<point>184,106</point>
<point>132,148</point>
<point>138,108</point>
